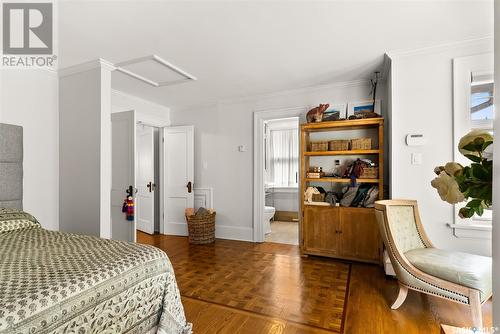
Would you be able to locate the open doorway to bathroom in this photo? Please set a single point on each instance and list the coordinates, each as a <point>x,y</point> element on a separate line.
<point>281,175</point>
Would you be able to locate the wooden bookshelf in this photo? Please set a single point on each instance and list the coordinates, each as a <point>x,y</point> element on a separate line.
<point>341,232</point>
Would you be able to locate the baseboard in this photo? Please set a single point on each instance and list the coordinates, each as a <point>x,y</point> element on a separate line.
<point>176,229</point>
<point>234,232</point>
<point>221,231</point>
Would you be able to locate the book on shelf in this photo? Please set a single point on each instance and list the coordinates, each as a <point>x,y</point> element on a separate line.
<point>315,175</point>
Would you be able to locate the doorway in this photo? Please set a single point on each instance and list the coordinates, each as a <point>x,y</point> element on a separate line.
<point>281,171</point>
<point>276,175</point>
<point>153,171</point>
<point>148,178</point>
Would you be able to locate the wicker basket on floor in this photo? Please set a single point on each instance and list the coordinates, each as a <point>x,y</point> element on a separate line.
<point>201,227</point>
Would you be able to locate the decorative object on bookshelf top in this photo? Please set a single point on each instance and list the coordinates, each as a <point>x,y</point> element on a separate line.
<point>316,114</point>
<point>335,112</point>
<point>364,109</point>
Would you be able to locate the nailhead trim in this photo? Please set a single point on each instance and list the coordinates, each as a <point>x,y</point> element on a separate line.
<point>436,286</point>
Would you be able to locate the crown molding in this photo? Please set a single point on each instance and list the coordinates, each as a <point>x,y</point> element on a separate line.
<point>259,97</point>
<point>296,91</point>
<point>395,54</point>
<point>288,110</point>
<point>87,66</point>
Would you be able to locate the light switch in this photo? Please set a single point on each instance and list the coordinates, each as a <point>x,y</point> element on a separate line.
<point>242,148</point>
<point>416,158</point>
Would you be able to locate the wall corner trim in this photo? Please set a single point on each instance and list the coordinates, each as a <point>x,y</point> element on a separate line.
<point>87,66</point>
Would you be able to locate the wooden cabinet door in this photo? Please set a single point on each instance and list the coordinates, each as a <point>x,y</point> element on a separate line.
<point>320,227</point>
<point>359,236</point>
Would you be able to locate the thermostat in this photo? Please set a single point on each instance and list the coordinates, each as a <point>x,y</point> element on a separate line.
<point>416,139</point>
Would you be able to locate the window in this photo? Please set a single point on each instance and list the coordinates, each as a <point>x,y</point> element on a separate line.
<point>473,108</point>
<point>482,114</point>
<point>284,157</point>
<point>482,109</point>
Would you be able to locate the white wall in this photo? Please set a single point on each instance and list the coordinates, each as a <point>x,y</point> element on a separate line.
<point>29,99</point>
<point>146,111</point>
<point>496,179</point>
<point>422,101</point>
<point>219,129</point>
<point>85,150</point>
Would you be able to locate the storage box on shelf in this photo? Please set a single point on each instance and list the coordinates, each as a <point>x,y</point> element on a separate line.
<point>338,145</point>
<point>342,232</point>
<point>361,144</point>
<point>319,146</point>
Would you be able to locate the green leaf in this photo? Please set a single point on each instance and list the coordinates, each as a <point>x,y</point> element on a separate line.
<point>473,158</point>
<point>479,210</point>
<point>470,147</point>
<point>480,172</point>
<point>474,202</point>
<point>486,144</point>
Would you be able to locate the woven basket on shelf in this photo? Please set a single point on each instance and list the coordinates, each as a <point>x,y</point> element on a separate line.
<point>361,144</point>
<point>201,227</point>
<point>319,146</point>
<point>338,145</point>
<point>369,173</point>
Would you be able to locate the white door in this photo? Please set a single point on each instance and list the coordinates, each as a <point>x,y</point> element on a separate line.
<point>123,173</point>
<point>145,179</point>
<point>178,177</point>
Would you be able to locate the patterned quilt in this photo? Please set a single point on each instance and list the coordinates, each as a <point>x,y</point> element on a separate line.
<point>52,282</point>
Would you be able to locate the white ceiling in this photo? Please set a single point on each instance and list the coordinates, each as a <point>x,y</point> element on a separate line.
<point>237,48</point>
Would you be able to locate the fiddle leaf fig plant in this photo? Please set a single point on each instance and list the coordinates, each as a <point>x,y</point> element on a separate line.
<point>456,183</point>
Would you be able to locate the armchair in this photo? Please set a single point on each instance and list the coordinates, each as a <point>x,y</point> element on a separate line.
<point>456,276</point>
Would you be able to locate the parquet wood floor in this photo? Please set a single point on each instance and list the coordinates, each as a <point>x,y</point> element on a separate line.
<point>238,287</point>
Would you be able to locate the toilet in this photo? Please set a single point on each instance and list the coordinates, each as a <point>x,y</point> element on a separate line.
<point>268,215</point>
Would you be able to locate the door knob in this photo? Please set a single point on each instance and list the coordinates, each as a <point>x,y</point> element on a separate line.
<point>150,186</point>
<point>189,186</point>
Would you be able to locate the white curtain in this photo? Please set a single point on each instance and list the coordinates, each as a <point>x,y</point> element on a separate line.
<point>284,157</point>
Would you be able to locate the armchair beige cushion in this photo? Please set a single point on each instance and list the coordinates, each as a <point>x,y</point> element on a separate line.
<point>460,277</point>
<point>469,270</point>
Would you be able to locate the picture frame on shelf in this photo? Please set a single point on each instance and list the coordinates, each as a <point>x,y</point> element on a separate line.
<point>360,107</point>
<point>335,112</point>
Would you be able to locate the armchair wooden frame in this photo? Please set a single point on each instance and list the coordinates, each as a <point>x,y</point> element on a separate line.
<point>465,295</point>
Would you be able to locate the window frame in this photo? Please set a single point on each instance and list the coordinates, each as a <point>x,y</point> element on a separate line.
<point>463,70</point>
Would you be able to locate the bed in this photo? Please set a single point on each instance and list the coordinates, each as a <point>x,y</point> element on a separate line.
<point>52,282</point>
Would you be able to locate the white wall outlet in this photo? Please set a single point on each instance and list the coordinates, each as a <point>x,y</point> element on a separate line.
<point>242,148</point>
<point>416,158</point>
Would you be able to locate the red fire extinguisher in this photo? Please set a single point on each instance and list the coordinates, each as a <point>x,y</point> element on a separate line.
<point>128,208</point>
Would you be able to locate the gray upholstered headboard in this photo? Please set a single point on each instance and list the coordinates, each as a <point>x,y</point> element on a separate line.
<point>11,166</point>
